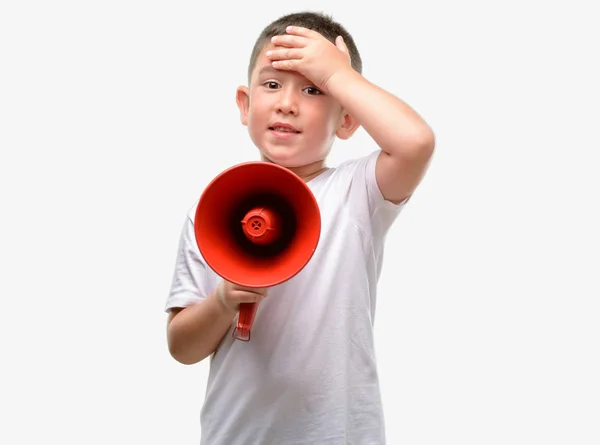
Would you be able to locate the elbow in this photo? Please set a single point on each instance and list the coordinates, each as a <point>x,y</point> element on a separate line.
<point>179,350</point>
<point>184,357</point>
<point>180,356</point>
<point>184,360</point>
<point>423,148</point>
<point>425,143</point>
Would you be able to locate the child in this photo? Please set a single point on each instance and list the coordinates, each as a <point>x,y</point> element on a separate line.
<point>309,374</point>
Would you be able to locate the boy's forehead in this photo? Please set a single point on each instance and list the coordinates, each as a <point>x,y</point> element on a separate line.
<point>261,60</point>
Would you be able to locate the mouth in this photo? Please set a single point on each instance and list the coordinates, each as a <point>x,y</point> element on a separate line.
<point>283,128</point>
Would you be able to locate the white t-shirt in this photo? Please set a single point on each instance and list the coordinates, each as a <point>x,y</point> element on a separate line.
<point>308,375</point>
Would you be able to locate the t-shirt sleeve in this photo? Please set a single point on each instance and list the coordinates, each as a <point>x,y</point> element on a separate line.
<point>191,281</point>
<point>373,213</point>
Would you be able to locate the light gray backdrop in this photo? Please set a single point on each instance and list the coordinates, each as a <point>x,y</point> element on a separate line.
<point>113,117</point>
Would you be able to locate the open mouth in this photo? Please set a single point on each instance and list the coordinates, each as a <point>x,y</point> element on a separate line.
<point>284,130</point>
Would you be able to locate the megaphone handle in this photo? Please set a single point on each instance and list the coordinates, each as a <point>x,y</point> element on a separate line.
<point>245,321</point>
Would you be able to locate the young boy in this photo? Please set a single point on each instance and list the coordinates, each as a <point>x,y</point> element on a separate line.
<point>309,374</point>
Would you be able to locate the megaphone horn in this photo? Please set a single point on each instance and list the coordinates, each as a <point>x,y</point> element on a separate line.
<point>257,224</point>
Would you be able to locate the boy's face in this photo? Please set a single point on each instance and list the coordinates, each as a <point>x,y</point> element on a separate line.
<point>291,122</point>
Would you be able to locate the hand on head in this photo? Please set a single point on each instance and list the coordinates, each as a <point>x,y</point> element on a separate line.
<point>309,53</point>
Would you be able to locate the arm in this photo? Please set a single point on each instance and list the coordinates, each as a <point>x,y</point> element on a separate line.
<point>194,332</point>
<point>406,141</point>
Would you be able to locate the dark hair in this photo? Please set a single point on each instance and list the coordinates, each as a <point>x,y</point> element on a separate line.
<point>322,23</point>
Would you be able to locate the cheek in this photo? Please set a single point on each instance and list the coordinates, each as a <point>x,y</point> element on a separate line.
<point>328,124</point>
<point>258,110</point>
<point>327,114</point>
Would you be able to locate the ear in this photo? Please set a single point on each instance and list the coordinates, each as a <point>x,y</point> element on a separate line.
<point>348,125</point>
<point>242,98</point>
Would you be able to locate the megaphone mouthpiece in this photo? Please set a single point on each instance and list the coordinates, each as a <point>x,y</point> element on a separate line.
<point>262,225</point>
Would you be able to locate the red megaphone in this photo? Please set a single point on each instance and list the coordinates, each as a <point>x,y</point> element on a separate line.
<point>257,224</point>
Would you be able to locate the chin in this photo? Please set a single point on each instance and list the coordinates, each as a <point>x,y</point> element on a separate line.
<point>284,161</point>
<point>291,158</point>
<point>284,157</point>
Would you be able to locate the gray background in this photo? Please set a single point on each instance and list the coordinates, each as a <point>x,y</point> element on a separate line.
<point>113,117</point>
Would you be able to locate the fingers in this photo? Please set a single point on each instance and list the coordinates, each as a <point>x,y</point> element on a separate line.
<point>288,65</point>
<point>301,31</point>
<point>243,294</point>
<point>289,41</point>
<point>285,58</point>
<point>252,290</point>
<point>284,54</point>
<point>247,297</point>
<point>231,295</point>
<point>259,291</point>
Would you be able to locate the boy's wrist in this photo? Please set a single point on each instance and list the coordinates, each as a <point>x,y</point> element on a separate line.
<point>219,300</point>
<point>341,80</point>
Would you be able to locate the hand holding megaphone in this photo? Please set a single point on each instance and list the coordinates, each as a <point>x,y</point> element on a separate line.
<point>233,295</point>
<point>242,299</point>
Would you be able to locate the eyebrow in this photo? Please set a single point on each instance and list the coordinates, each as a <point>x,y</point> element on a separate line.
<point>268,69</point>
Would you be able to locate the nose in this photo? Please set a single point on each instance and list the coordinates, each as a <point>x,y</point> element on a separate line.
<point>288,102</point>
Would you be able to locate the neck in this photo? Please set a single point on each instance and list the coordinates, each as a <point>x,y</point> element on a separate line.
<point>305,172</point>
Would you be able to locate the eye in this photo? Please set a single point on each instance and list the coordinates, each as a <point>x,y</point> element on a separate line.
<point>271,85</point>
<point>313,91</point>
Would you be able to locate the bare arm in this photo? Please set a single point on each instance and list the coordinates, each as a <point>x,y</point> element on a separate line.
<point>406,141</point>
<point>194,332</point>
